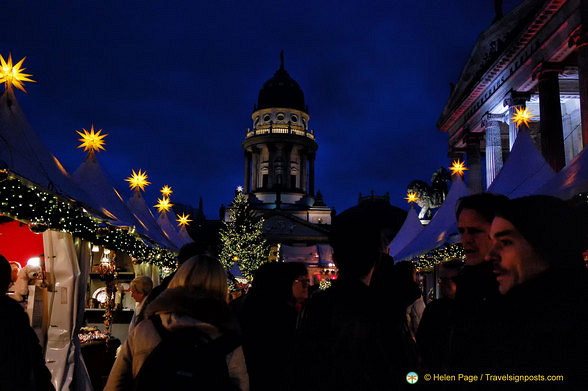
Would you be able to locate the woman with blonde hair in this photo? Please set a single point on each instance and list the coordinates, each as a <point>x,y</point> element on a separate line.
<point>187,328</point>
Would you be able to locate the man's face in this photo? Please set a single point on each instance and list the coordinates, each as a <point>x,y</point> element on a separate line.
<point>447,285</point>
<point>474,230</point>
<point>515,260</point>
<point>300,288</point>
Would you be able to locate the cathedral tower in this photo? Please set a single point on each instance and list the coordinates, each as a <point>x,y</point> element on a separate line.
<point>280,149</point>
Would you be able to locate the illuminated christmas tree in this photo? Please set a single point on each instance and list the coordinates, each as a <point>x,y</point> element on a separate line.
<point>242,238</point>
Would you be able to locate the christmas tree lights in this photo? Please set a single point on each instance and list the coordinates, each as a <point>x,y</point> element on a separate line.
<point>242,238</point>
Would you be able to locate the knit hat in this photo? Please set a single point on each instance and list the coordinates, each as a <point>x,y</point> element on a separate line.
<point>551,226</point>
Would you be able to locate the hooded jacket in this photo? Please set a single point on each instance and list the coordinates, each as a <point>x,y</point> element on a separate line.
<point>178,308</point>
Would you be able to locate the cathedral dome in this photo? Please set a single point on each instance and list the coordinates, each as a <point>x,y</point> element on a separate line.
<point>281,91</point>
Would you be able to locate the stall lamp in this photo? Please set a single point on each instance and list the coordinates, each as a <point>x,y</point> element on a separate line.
<point>35,261</point>
<point>95,249</point>
<point>105,261</point>
<point>106,251</point>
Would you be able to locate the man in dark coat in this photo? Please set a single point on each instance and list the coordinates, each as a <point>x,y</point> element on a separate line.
<point>347,342</point>
<point>537,246</point>
<point>22,365</point>
<point>476,295</point>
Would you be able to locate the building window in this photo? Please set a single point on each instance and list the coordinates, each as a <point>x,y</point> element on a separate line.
<point>264,180</point>
<point>294,118</point>
<point>293,181</point>
<point>266,118</point>
<point>280,117</point>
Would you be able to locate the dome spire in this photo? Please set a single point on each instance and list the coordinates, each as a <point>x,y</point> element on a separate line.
<point>282,60</point>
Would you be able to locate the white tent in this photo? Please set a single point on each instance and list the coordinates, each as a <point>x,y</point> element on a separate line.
<point>25,154</point>
<point>410,229</point>
<point>169,229</point>
<point>144,216</point>
<point>524,172</point>
<point>183,233</point>
<point>104,196</point>
<point>441,229</point>
<point>573,179</point>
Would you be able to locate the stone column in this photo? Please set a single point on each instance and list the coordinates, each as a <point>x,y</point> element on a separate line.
<point>515,100</point>
<point>303,171</point>
<point>247,171</point>
<point>474,162</point>
<point>551,128</point>
<point>255,170</point>
<point>491,122</point>
<point>580,40</point>
<point>311,174</point>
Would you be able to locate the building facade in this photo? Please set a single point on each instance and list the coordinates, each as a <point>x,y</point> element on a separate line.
<point>535,58</point>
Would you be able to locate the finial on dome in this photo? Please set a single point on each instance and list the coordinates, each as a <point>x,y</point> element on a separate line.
<point>282,59</point>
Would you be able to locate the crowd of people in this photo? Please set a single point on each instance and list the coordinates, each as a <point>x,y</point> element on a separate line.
<point>516,305</point>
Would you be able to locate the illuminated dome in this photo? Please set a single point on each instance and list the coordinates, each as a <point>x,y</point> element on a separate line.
<point>281,91</point>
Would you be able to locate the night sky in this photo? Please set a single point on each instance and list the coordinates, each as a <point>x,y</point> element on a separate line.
<point>174,85</point>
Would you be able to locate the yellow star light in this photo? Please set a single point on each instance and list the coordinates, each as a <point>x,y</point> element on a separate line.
<point>12,75</point>
<point>522,116</point>
<point>411,197</point>
<point>138,180</point>
<point>457,167</point>
<point>92,141</point>
<point>184,220</point>
<point>163,205</point>
<point>166,191</point>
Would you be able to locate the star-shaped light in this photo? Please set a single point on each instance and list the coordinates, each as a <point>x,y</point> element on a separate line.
<point>163,205</point>
<point>138,180</point>
<point>166,191</point>
<point>411,197</point>
<point>240,189</point>
<point>457,167</point>
<point>12,75</point>
<point>183,220</point>
<point>522,116</point>
<point>92,141</point>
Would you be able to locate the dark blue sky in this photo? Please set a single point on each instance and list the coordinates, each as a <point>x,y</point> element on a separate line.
<point>174,85</point>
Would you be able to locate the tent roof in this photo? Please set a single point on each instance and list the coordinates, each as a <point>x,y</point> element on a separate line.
<point>442,227</point>
<point>573,179</point>
<point>144,216</point>
<point>169,230</point>
<point>410,229</point>
<point>103,195</point>
<point>524,171</point>
<point>25,154</point>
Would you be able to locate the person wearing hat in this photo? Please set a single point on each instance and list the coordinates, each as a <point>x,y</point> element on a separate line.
<point>536,252</point>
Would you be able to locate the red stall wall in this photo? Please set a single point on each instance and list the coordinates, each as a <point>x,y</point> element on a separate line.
<point>18,243</point>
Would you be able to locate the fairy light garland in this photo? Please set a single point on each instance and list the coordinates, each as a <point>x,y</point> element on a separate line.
<point>42,210</point>
<point>426,262</point>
